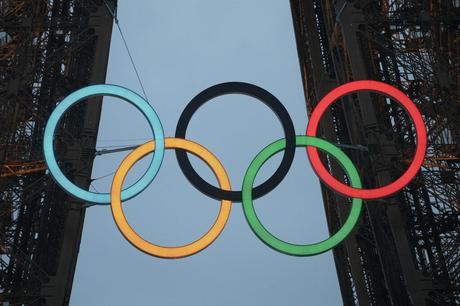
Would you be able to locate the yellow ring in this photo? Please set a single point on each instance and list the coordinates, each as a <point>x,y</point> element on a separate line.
<point>156,250</point>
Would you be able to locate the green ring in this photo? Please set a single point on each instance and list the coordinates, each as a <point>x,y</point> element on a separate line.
<point>264,234</point>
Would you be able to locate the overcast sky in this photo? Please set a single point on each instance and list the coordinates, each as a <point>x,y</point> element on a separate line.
<point>181,48</point>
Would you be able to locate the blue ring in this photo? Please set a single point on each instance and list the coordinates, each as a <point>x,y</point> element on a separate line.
<point>104,90</point>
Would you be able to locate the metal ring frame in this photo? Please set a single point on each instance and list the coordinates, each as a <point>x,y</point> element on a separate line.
<point>224,192</point>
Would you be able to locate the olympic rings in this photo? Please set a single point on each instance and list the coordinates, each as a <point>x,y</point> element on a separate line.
<point>223,192</point>
<point>156,250</point>
<point>414,113</point>
<point>263,96</point>
<point>89,92</point>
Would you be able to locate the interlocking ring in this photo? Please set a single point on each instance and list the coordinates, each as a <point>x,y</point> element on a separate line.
<point>269,238</point>
<point>397,95</point>
<point>223,192</point>
<point>161,251</point>
<point>263,96</point>
<point>86,93</point>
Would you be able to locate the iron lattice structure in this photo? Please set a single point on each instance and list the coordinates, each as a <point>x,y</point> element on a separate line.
<point>47,49</point>
<point>406,250</point>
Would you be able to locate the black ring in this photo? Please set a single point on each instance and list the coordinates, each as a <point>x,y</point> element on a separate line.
<point>253,91</point>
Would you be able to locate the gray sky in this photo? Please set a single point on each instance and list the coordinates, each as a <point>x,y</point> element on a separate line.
<point>181,48</point>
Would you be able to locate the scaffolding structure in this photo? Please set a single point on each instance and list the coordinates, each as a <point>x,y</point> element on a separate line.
<point>406,251</point>
<point>48,49</point>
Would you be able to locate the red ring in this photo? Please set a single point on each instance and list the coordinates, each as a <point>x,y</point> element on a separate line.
<point>408,105</point>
